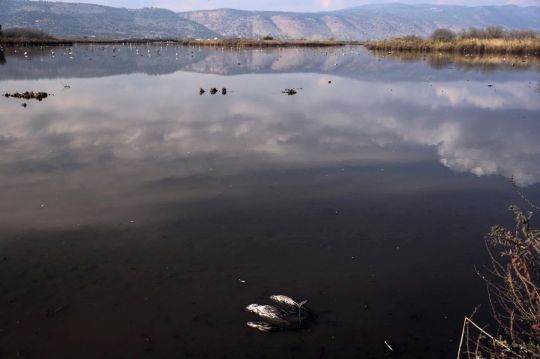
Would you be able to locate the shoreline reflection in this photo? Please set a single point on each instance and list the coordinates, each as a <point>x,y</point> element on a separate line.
<point>349,62</point>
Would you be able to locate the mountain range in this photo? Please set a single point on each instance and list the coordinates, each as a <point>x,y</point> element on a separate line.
<point>367,22</point>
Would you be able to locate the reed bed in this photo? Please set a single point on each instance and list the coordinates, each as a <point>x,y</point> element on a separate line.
<point>466,46</point>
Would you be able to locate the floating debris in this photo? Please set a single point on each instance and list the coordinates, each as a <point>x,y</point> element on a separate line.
<point>389,347</point>
<point>147,339</point>
<point>28,95</point>
<point>289,92</point>
<point>50,312</point>
<point>61,309</point>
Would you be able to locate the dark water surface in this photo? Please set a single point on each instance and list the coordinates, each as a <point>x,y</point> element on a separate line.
<point>142,204</point>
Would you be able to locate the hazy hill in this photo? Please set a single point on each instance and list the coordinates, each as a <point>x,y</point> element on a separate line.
<point>368,22</point>
<point>72,20</point>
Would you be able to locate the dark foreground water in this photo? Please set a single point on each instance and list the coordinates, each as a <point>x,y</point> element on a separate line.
<point>155,212</point>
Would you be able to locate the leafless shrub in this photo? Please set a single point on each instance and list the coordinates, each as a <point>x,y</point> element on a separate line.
<point>494,32</point>
<point>413,38</point>
<point>514,290</point>
<point>444,35</point>
<point>497,32</point>
<point>521,34</point>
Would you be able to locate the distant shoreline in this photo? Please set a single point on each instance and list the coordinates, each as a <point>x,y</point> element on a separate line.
<point>267,43</point>
<point>184,42</point>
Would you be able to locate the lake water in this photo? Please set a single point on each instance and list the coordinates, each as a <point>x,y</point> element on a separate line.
<point>154,211</point>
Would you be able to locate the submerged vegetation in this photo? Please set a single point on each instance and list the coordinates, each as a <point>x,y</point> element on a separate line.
<point>492,39</point>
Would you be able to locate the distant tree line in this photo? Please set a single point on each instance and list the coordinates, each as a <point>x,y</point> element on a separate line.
<point>490,32</point>
<point>24,33</point>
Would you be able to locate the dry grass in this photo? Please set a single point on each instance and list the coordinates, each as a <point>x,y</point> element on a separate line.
<point>264,43</point>
<point>466,46</point>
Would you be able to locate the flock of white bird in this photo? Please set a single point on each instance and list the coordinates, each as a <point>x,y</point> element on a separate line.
<point>147,47</point>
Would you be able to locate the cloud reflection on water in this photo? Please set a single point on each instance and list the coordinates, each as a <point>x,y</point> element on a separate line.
<point>112,135</point>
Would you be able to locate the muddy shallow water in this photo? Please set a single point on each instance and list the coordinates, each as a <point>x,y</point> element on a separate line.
<point>155,212</point>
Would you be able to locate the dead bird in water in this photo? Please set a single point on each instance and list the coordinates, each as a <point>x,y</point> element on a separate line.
<point>265,327</point>
<point>292,317</point>
<point>288,303</point>
<point>272,314</point>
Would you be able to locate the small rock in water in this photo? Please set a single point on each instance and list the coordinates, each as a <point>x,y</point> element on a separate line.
<point>27,95</point>
<point>289,92</point>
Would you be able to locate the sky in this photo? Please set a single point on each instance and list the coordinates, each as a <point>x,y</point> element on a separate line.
<point>286,5</point>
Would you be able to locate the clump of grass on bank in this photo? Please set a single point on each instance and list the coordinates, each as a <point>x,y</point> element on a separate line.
<point>263,43</point>
<point>490,40</point>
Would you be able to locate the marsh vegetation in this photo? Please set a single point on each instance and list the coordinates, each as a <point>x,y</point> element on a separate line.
<point>513,283</point>
<point>492,39</point>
